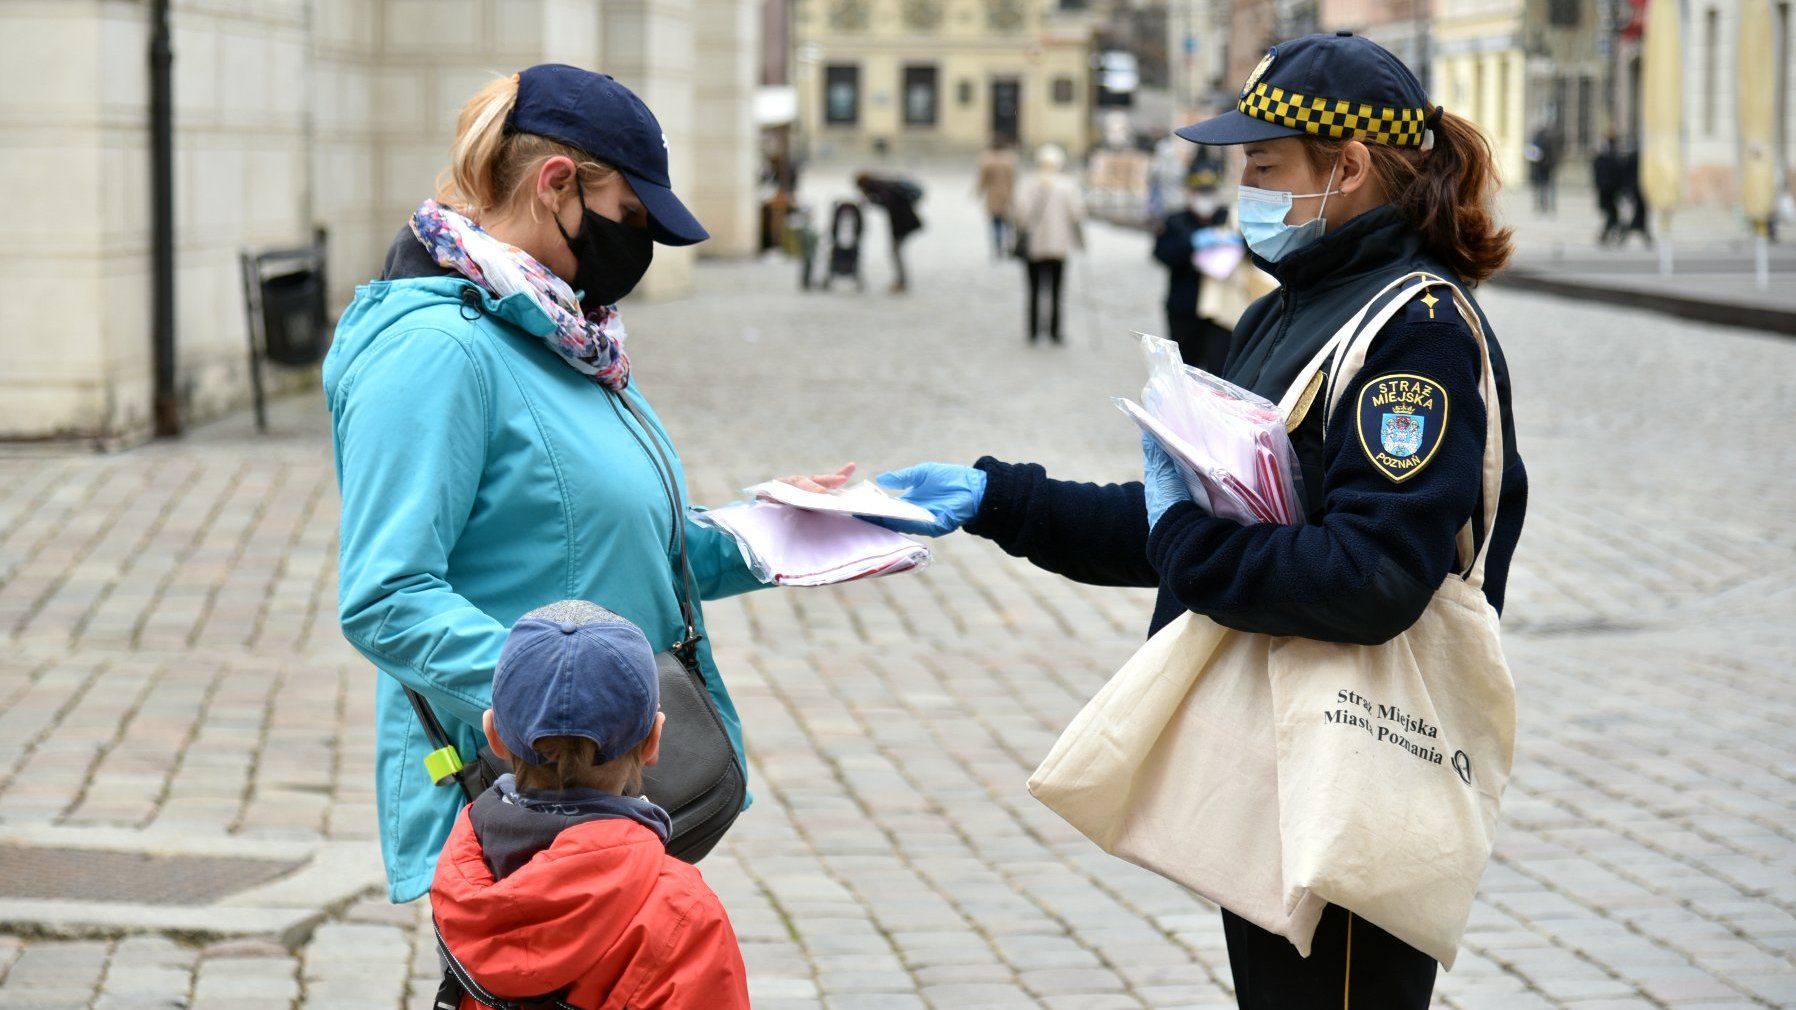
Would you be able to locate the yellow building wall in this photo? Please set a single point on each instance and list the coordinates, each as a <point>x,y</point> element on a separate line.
<point>965,49</point>
<point>1481,74</point>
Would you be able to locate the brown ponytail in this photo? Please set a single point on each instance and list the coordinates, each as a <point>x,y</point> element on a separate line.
<point>1444,193</point>
<point>568,764</point>
<point>490,166</point>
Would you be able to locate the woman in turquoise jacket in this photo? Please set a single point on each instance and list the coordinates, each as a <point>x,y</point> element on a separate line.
<point>486,460</point>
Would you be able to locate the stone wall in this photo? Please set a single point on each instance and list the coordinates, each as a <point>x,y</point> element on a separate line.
<point>291,114</point>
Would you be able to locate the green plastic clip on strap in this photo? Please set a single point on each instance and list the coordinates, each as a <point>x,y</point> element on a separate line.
<point>442,764</point>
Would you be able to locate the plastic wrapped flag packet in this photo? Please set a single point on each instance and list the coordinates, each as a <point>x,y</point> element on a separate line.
<point>786,545</point>
<point>1229,444</point>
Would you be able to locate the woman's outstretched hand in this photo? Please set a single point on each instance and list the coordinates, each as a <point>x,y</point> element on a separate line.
<point>951,493</point>
<point>822,483</point>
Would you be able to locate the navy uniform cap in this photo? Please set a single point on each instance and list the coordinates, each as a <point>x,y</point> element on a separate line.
<point>593,113</point>
<point>1336,86</point>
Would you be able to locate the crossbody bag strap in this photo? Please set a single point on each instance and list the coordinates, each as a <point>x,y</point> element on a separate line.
<point>444,762</point>
<point>1350,357</point>
<point>687,647</point>
<point>458,981</point>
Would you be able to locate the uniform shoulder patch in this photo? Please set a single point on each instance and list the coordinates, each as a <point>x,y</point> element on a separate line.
<point>1402,417</point>
<point>1433,305</point>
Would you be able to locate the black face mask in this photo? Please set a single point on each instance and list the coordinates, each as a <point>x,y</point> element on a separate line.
<point>610,258</point>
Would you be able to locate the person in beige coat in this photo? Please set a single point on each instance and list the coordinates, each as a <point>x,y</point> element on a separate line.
<point>997,186</point>
<point>1049,212</point>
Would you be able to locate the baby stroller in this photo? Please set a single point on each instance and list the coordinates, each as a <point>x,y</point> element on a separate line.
<point>845,245</point>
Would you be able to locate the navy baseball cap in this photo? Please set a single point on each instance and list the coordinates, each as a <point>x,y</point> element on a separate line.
<point>1333,86</point>
<point>595,114</point>
<point>575,669</point>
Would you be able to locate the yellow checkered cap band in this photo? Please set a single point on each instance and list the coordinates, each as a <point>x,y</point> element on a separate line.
<point>1334,117</point>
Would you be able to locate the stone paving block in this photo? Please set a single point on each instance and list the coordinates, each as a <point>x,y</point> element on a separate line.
<point>45,999</point>
<point>1777,987</point>
<point>1066,981</point>
<point>245,980</point>
<point>778,988</point>
<point>1185,973</point>
<point>143,1001</point>
<point>1092,1001</point>
<point>1568,990</point>
<point>873,1001</point>
<point>844,980</point>
<point>1500,1001</point>
<point>62,966</point>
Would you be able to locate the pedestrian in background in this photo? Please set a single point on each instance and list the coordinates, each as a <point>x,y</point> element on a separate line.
<point>1337,220</point>
<point>1630,187</point>
<point>899,198</point>
<point>1543,161</point>
<point>557,880</point>
<point>489,439</point>
<point>996,185</point>
<point>1050,212</point>
<point>1201,342</point>
<point>1607,175</point>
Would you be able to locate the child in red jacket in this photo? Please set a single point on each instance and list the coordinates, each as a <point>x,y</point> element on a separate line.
<point>555,884</point>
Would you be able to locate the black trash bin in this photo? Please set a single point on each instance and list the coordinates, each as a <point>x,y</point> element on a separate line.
<point>293,318</point>
<point>284,295</point>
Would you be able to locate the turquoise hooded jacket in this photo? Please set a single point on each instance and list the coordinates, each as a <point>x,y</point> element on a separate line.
<point>483,477</point>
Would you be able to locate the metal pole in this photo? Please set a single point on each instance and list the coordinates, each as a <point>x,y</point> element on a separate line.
<point>167,403</point>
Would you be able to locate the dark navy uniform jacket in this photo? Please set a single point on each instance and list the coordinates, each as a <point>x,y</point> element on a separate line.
<point>1378,541</point>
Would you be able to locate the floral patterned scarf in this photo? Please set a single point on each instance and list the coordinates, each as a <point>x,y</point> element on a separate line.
<point>592,342</point>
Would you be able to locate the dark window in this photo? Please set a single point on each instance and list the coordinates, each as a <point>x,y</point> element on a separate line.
<point>1564,13</point>
<point>1063,91</point>
<point>1074,5</point>
<point>964,92</point>
<point>842,94</point>
<point>919,96</point>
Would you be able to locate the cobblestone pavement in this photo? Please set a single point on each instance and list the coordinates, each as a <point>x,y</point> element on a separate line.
<point>173,670</point>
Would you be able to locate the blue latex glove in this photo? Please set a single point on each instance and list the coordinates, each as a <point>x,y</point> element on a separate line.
<point>951,493</point>
<point>1160,478</point>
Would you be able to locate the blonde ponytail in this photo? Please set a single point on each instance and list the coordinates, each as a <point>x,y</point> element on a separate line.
<point>489,165</point>
<point>570,762</point>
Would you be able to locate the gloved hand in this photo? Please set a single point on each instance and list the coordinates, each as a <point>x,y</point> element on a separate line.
<point>951,493</point>
<point>1160,478</point>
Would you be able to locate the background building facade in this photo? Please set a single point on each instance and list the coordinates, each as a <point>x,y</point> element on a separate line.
<point>942,76</point>
<point>289,115</point>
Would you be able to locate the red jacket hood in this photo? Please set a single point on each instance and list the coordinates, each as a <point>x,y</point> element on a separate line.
<point>603,912</point>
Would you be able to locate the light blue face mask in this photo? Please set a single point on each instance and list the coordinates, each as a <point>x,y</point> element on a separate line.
<point>1261,213</point>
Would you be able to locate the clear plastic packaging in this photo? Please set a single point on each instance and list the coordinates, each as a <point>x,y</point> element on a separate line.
<point>1229,444</point>
<point>787,546</point>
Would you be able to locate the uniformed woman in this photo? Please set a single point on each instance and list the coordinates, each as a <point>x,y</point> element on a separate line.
<point>1353,179</point>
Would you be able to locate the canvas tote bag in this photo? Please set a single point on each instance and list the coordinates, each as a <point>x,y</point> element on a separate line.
<point>1175,764</point>
<point>1392,758</point>
<point>1173,767</point>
